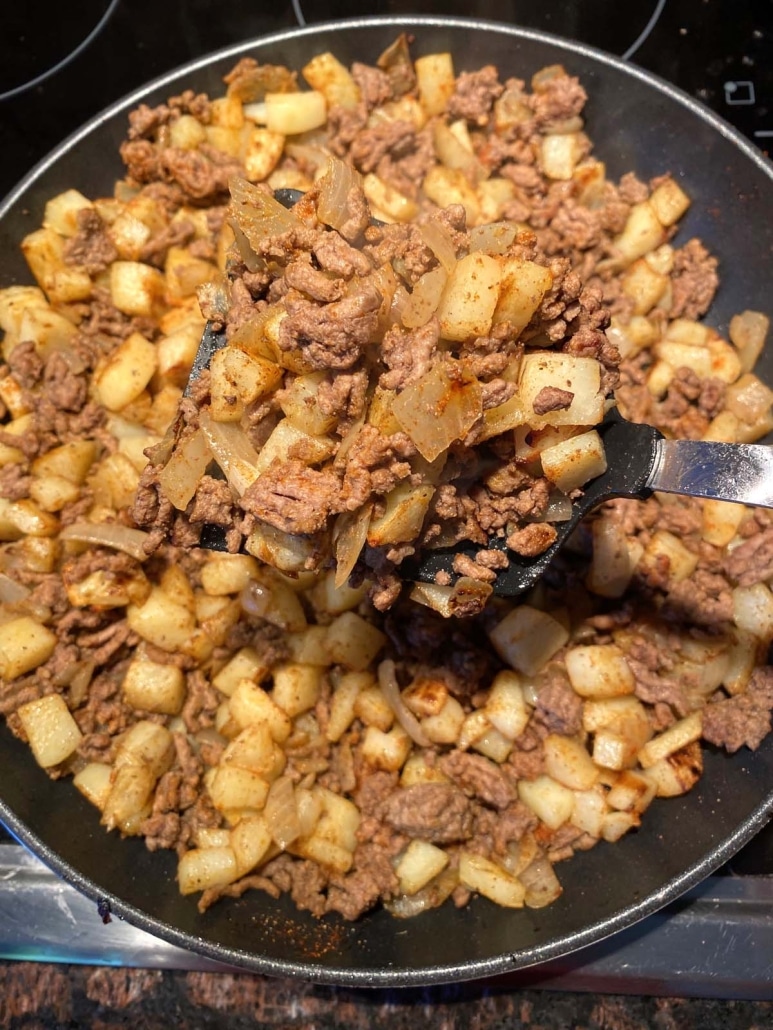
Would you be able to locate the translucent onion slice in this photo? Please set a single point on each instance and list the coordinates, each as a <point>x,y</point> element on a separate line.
<point>541,883</point>
<point>108,534</point>
<point>257,213</point>
<point>232,450</point>
<point>11,592</point>
<point>439,408</point>
<point>335,186</point>
<point>433,895</point>
<point>281,812</point>
<point>387,680</point>
<point>439,241</point>
<point>425,298</point>
<point>350,533</point>
<point>182,473</point>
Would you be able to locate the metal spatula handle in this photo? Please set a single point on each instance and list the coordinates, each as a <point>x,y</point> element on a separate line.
<point>718,471</point>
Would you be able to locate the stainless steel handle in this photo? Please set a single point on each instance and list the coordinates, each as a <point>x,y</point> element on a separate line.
<point>719,471</point>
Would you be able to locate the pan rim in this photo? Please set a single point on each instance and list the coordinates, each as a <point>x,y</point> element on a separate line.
<point>472,969</point>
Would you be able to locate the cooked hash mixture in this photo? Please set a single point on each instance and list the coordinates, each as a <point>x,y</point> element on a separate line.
<point>416,356</point>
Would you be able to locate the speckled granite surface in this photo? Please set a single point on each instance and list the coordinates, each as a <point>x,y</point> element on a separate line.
<point>36,996</point>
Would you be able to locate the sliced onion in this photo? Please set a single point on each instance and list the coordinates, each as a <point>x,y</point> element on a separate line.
<point>439,241</point>
<point>541,883</point>
<point>425,298</point>
<point>387,680</point>
<point>281,812</point>
<point>335,187</point>
<point>257,213</point>
<point>432,896</point>
<point>12,592</point>
<point>108,534</point>
<point>232,450</point>
<point>439,408</point>
<point>351,532</point>
<point>559,508</point>
<point>184,469</point>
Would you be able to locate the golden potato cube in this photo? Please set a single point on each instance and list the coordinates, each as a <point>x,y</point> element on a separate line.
<point>161,621</point>
<point>493,745</point>
<point>574,462</point>
<point>204,868</point>
<point>299,403</point>
<point>25,518</point>
<point>721,520</point>
<point>284,551</point>
<point>186,132</point>
<point>325,852</point>
<point>436,81</point>
<point>185,273</point>
<point>24,645</point>
<point>47,329</point>
<point>551,802</point>
<point>599,671</point>
<point>372,708</point>
<point>676,737</point>
<point>251,705</point>
<point>52,493</point>
<point>176,351</point>
<point>296,687</point>
<point>385,750</point>
<point>523,285</point>
<point>154,687</point>
<point>590,807</point>
<point>353,641</point>
<point>126,373</point>
<point>238,379</point>
<point>685,355</point>
<point>485,877</point>
<point>308,646</point>
<point>445,727</point>
<point>527,638</point>
<point>94,782</point>
<point>388,200</point>
<point>333,600</point>
<point>470,297</point>
<point>644,286</point>
<point>405,509</point>
<point>288,114</point>
<point>14,301</point>
<point>250,841</point>
<point>233,786</point>
<point>445,186</point>
<point>129,235</point>
<point>747,332</point>
<point>44,253</point>
<point>632,792</point>
<point>135,288</point>
<point>425,696</point>
<point>129,799</point>
<point>559,154</point>
<point>61,212</point>
<point>643,232</point>
<point>677,773</point>
<point>418,770</point>
<point>69,285</point>
<point>262,154</point>
<point>146,745</point>
<point>343,701</point>
<point>579,376</point>
<point>753,610</point>
<point>568,762</point>
<point>227,573</point>
<point>669,202</point>
<point>326,74</point>
<point>52,732</point>
<point>418,864</point>
<point>493,196</point>
<point>665,547</point>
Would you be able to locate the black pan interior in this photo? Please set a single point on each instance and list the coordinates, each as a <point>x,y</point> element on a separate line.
<point>637,123</point>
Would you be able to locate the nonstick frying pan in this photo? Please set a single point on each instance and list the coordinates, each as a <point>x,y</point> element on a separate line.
<point>636,122</point>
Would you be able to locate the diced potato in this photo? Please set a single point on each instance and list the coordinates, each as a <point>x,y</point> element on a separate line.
<point>25,518</point>
<point>299,403</point>
<point>127,372</point>
<point>325,852</point>
<point>325,73</point>
<point>676,737</point>
<point>93,781</point>
<point>677,773</point>
<point>308,646</point>
<point>385,750</point>
<point>615,824</point>
<point>24,645</point>
<point>129,234</point>
<point>233,786</point>
<point>373,709</point>
<point>14,301</point>
<point>52,493</point>
<point>615,556</point>
<point>445,726</point>
<point>445,186</point>
<point>286,436</point>
<point>146,745</point>
<point>559,154</point>
<point>599,671</point>
<point>568,762</point>
<point>388,200</point>
<point>527,638</point>
<point>102,589</point>
<point>742,658</point>
<point>343,701</point>
<point>493,745</point>
<point>669,202</point>
<point>44,252</point>
<point>470,297</point>
<point>246,664</point>
<point>186,132</point>
<point>353,641</point>
<point>154,687</point>
<point>296,687</point>
<point>418,864</point>
<point>523,285</point>
<point>436,81</point>
<point>285,551</point>
<point>334,599</point>
<point>227,573</point>
<point>61,212</point>
<point>550,801</point>
<point>288,114</point>
<point>578,375</point>
<point>161,621</point>
<point>574,462</point>
<point>47,329</point>
<point>721,520</point>
<point>506,707</point>
<point>753,610</point>
<point>175,352</point>
<point>644,286</point>
<point>589,809</point>
<point>747,332</point>
<point>685,355</point>
<point>250,841</point>
<point>251,705</point>
<point>664,547</point>
<point>643,232</point>
<point>135,288</point>
<point>632,792</point>
<point>204,868</point>
<point>485,877</point>
<point>129,798</point>
<point>52,732</point>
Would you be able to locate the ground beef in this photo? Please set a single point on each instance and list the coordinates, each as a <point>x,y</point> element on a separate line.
<point>374,464</point>
<point>752,561</point>
<point>694,281</point>
<point>559,708</point>
<point>300,275</point>
<point>64,389</point>
<point>744,719</point>
<point>478,777</point>
<point>552,398</point>
<point>369,146</point>
<point>334,335</point>
<point>474,95</point>
<point>532,540</point>
<point>437,812</point>
<point>91,248</point>
<point>373,878</point>
<point>343,396</point>
<point>408,354</point>
<point>374,84</point>
<point>293,497</point>
<point>213,502</point>
<point>557,100</point>
<point>14,482</point>
<point>25,364</point>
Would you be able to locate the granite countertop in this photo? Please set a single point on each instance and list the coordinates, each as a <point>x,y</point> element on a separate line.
<point>59,997</point>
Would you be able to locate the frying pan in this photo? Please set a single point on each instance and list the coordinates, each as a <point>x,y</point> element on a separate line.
<point>637,122</point>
